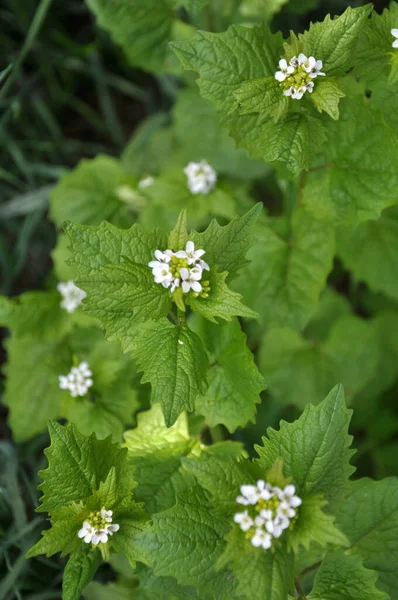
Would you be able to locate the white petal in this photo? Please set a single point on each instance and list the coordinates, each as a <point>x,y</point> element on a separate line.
<point>282,64</point>
<point>256,541</point>
<point>185,287</point>
<point>181,254</point>
<point>295,501</point>
<point>195,285</point>
<point>279,76</point>
<point>395,44</point>
<point>289,490</point>
<point>88,538</point>
<point>114,527</point>
<point>195,274</point>
<point>302,59</point>
<point>190,247</point>
<point>394,32</point>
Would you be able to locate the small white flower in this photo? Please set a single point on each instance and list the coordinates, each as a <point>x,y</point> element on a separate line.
<point>290,91</point>
<point>310,87</point>
<point>294,62</point>
<point>394,32</point>
<point>190,279</point>
<point>261,538</point>
<point>111,529</point>
<point>287,495</point>
<point>302,59</point>
<point>125,193</point>
<point>299,93</point>
<point>190,254</point>
<point>145,182</point>
<point>285,70</point>
<point>201,177</point>
<point>162,257</point>
<point>174,284</point>
<point>101,531</point>
<point>285,511</point>
<point>259,521</point>
<point>313,67</point>
<point>244,520</point>
<point>71,294</point>
<point>264,490</point>
<point>250,495</point>
<point>163,275</point>
<point>86,532</point>
<point>78,381</point>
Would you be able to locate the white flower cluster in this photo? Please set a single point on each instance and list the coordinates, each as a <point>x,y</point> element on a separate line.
<point>269,513</point>
<point>183,268</point>
<point>394,32</point>
<point>201,177</point>
<point>78,381</point>
<point>296,78</point>
<point>72,296</point>
<point>98,527</point>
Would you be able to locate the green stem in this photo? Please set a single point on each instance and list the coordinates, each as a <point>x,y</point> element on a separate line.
<point>180,317</point>
<point>34,29</point>
<point>299,589</point>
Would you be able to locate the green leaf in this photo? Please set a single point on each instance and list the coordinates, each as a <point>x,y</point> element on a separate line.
<point>219,470</point>
<point>178,237</point>
<point>91,193</point>
<point>368,515</point>
<point>326,97</point>
<point>35,397</point>
<point>300,370</point>
<point>79,570</point>
<point>142,28</point>
<point>112,265</point>
<point>86,461</point>
<point>227,60</point>
<point>186,540</point>
<point>262,96</point>
<point>343,577</point>
<point>375,54</point>
<point>234,381</point>
<point>314,526</point>
<point>263,9</point>
<point>199,134</point>
<point>222,302</point>
<point>174,362</point>
<point>156,452</point>
<point>315,449</point>
<point>285,277</point>
<point>370,252</point>
<point>62,536</point>
<point>334,40</point>
<point>38,315</point>
<point>261,575</point>
<point>355,178</point>
<point>227,246</point>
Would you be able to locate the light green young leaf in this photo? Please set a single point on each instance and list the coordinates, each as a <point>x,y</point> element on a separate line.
<point>370,252</point>
<point>314,526</point>
<point>92,192</point>
<point>261,575</point>
<point>156,452</point>
<point>86,461</point>
<point>186,540</point>
<point>79,570</point>
<point>234,381</point>
<point>326,97</point>
<point>227,246</point>
<point>174,362</point>
<point>355,178</point>
<point>262,96</point>
<point>285,277</point>
<point>315,449</point>
<point>300,370</point>
<point>334,40</point>
<point>178,237</point>
<point>375,54</point>
<point>222,302</point>
<point>343,577</point>
<point>368,515</point>
<point>227,60</point>
<point>263,9</point>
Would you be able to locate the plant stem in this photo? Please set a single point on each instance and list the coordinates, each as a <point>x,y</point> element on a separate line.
<point>299,589</point>
<point>310,568</point>
<point>34,29</point>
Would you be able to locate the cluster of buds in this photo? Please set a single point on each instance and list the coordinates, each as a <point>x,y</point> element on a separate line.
<point>270,510</point>
<point>297,77</point>
<point>201,177</point>
<point>181,269</point>
<point>98,527</point>
<point>78,381</point>
<point>72,296</point>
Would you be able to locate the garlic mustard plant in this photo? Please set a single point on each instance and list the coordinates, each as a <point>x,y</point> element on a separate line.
<point>270,511</point>
<point>72,296</point>
<point>297,77</point>
<point>78,381</point>
<point>98,527</point>
<point>201,177</point>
